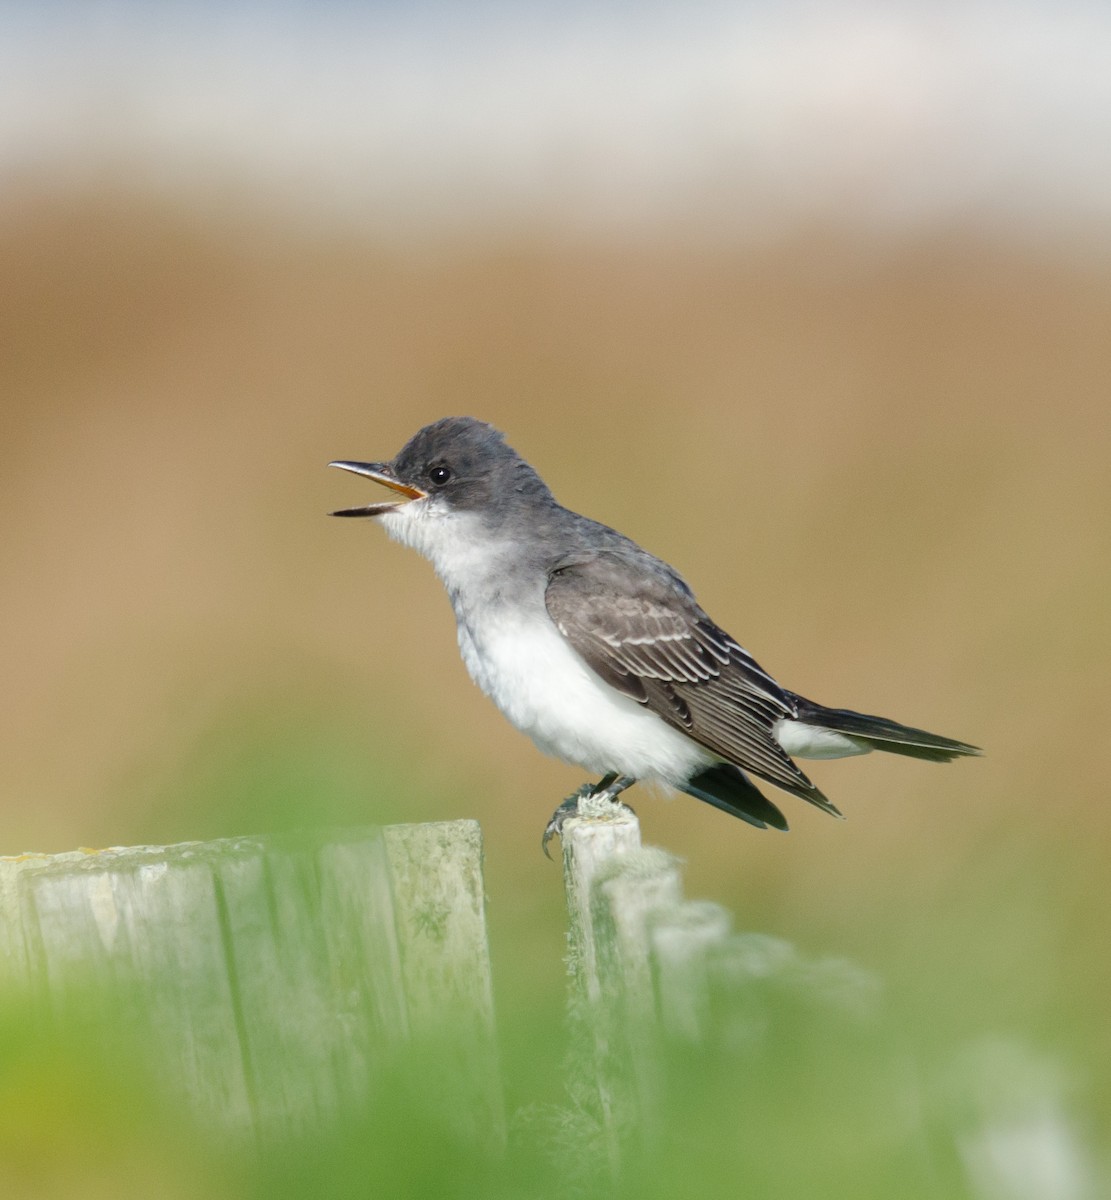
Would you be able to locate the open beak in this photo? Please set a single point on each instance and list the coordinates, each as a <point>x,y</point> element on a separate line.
<point>380,473</point>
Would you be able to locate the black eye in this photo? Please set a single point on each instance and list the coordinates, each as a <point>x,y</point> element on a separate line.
<point>440,474</point>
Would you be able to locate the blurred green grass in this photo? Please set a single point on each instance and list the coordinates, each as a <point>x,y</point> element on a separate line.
<point>908,1075</point>
<point>883,467</point>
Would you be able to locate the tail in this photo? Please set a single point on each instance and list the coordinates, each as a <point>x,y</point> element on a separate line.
<point>727,787</point>
<point>878,733</point>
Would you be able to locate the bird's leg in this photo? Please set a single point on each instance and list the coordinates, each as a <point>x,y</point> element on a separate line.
<point>609,787</point>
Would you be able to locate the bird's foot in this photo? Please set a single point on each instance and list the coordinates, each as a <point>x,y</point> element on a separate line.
<point>598,796</point>
<point>569,808</point>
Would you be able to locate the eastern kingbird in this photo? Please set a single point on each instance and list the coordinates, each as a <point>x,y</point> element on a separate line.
<point>599,651</point>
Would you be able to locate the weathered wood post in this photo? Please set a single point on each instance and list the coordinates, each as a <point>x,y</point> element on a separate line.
<point>276,979</point>
<point>592,843</point>
<point>653,973</point>
<point>616,891</point>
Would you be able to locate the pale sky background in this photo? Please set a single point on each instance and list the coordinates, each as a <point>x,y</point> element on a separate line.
<point>734,119</point>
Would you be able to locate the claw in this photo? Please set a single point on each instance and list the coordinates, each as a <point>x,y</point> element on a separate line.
<point>568,808</point>
<point>607,788</point>
<point>552,828</point>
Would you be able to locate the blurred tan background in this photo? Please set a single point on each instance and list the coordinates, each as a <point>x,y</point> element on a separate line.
<point>871,430</point>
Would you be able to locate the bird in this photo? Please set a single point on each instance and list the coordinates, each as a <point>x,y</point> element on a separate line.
<point>598,650</point>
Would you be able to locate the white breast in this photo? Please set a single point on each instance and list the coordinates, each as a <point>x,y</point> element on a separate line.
<point>524,664</point>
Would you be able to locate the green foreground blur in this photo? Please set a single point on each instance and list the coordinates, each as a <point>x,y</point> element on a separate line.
<point>889,1078</point>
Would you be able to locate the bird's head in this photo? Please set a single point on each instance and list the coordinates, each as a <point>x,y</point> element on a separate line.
<point>454,473</point>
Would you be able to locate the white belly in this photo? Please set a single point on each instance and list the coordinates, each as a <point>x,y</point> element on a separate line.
<point>544,688</point>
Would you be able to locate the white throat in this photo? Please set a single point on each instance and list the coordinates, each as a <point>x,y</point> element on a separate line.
<point>455,543</point>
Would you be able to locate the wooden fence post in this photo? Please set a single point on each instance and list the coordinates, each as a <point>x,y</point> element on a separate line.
<point>615,891</point>
<point>275,977</point>
<point>650,969</point>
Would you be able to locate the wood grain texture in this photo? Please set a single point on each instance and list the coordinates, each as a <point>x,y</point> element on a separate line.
<point>276,982</point>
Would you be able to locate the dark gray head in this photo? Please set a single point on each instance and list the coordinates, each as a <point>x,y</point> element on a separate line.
<point>459,465</point>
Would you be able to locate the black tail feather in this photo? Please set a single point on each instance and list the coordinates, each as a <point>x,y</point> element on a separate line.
<point>882,734</point>
<point>727,787</point>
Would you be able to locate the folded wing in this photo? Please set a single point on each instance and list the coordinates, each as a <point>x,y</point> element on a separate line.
<point>643,633</point>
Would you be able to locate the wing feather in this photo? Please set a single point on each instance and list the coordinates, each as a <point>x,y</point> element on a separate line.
<point>637,626</point>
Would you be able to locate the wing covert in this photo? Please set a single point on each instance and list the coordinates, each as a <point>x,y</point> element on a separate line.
<point>643,633</point>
